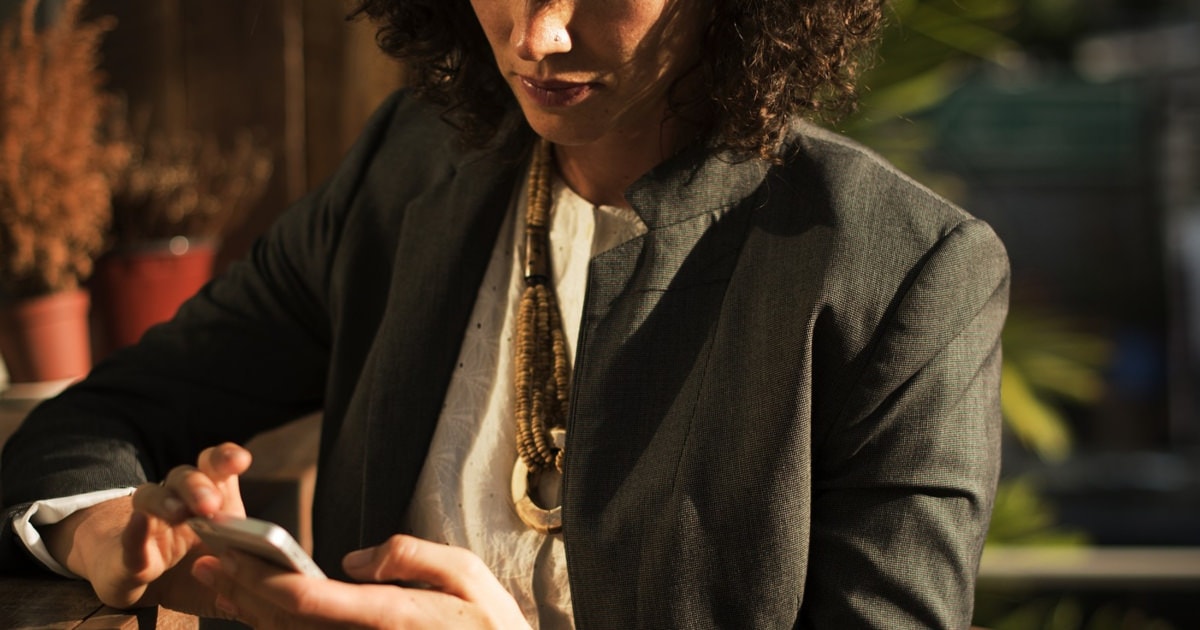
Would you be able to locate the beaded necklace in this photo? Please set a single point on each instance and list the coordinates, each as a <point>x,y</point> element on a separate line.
<point>542,369</point>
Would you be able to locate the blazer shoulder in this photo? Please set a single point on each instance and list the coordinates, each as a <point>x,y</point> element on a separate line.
<point>863,232</point>
<point>862,188</point>
<point>868,207</point>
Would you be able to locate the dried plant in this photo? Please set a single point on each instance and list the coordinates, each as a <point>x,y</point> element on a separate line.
<point>55,166</point>
<point>184,185</point>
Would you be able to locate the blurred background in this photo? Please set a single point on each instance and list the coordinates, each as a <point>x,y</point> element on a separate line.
<point>1072,127</point>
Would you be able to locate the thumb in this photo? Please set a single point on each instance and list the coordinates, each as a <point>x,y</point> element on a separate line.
<point>452,570</point>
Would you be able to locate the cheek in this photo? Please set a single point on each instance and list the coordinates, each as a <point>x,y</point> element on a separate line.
<point>491,17</point>
<point>651,35</point>
<point>633,33</point>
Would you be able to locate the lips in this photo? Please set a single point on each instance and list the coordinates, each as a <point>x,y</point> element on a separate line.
<point>551,93</point>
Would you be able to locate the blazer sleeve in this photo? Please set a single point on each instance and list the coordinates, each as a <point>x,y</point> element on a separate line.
<point>249,352</point>
<point>905,479</point>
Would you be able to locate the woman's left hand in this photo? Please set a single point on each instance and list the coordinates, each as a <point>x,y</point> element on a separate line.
<point>462,592</point>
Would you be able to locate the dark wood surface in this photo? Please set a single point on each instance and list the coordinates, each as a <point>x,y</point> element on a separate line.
<point>46,603</point>
<point>28,603</point>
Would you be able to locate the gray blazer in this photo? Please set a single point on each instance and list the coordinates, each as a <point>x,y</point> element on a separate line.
<point>785,401</point>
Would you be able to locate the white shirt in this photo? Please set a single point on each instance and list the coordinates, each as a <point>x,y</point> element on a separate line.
<point>463,496</point>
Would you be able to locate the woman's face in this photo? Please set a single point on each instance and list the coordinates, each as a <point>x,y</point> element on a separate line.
<point>591,70</point>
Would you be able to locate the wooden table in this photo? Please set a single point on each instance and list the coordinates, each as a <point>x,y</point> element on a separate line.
<point>58,604</point>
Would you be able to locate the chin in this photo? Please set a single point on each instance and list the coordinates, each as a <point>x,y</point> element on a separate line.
<point>563,130</point>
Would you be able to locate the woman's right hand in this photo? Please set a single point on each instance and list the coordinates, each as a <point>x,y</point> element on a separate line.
<point>152,562</point>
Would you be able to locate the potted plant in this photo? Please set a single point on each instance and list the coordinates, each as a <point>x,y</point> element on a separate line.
<point>56,167</point>
<point>173,202</point>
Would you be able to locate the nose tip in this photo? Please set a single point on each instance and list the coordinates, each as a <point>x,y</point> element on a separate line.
<point>543,34</point>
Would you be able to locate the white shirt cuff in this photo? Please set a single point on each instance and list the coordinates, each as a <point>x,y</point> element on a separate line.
<point>51,511</point>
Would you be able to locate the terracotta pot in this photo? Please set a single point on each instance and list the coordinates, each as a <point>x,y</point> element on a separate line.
<point>46,338</point>
<point>136,288</point>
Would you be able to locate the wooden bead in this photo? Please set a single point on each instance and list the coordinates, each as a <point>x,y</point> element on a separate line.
<point>542,378</point>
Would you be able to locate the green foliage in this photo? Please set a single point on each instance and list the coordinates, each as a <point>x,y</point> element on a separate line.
<point>1048,361</point>
<point>1022,517</point>
<point>1070,613</point>
<point>1048,614</point>
<point>928,49</point>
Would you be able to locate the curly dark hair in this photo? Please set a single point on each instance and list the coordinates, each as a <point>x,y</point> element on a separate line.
<point>763,62</point>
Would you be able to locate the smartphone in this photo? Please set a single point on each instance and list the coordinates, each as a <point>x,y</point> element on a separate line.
<point>260,538</point>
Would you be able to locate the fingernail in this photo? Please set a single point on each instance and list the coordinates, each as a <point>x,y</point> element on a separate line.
<point>204,574</point>
<point>204,499</point>
<point>360,558</point>
<point>229,564</point>
<point>174,507</point>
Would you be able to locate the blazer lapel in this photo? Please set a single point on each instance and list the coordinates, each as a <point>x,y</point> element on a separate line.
<point>441,256</point>
<point>652,305</point>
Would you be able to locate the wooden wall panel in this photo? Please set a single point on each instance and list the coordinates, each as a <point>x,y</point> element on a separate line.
<point>144,59</point>
<point>236,78</point>
<point>346,77</point>
<point>295,71</point>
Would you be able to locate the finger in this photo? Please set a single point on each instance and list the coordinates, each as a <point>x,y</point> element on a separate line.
<point>264,596</point>
<point>160,502</point>
<point>253,591</point>
<point>223,464</point>
<point>149,547</point>
<point>223,461</point>
<point>198,492</point>
<point>450,569</point>
<point>134,541</point>
<point>207,571</point>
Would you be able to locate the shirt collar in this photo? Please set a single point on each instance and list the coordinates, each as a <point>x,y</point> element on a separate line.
<point>693,182</point>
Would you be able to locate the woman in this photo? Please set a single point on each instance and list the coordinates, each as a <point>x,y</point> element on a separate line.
<point>596,247</point>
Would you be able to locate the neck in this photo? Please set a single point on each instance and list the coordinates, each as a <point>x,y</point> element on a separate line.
<point>601,171</point>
